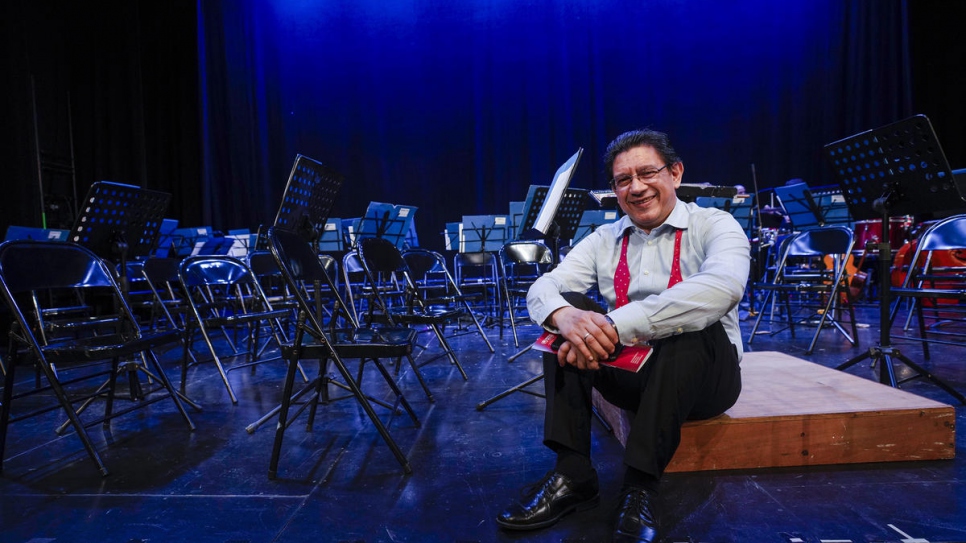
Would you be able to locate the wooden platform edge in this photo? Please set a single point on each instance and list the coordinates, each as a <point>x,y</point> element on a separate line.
<point>848,438</point>
<point>873,423</point>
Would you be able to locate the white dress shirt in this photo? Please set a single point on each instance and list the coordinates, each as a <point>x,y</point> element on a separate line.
<point>715,260</point>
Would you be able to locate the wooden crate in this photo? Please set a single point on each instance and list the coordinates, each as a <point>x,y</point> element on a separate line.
<point>796,413</point>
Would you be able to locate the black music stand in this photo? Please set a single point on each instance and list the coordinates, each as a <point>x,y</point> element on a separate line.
<point>488,232</point>
<point>899,169</point>
<point>308,198</point>
<point>801,206</point>
<point>564,225</point>
<point>118,222</point>
<point>565,221</point>
<point>387,221</point>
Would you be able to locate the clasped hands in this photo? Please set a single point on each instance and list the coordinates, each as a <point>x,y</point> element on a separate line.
<point>589,337</point>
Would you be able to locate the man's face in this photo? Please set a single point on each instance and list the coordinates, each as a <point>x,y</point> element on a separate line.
<point>645,196</point>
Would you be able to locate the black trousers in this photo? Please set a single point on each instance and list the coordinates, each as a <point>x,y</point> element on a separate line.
<point>690,376</point>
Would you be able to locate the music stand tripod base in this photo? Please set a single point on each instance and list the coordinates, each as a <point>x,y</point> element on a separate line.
<point>899,168</point>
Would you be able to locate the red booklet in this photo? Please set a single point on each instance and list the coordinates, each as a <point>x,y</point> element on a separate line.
<point>627,357</point>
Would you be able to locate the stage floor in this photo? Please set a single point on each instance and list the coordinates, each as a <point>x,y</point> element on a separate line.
<point>340,483</point>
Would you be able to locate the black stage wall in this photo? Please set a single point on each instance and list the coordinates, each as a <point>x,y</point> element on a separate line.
<point>452,107</point>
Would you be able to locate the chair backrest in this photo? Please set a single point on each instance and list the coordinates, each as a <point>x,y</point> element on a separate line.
<point>263,264</point>
<point>61,271</point>
<point>829,240</point>
<point>201,270</point>
<point>30,265</point>
<point>938,250</point>
<point>331,267</point>
<point>525,260</point>
<point>161,270</point>
<point>161,274</point>
<point>423,262</point>
<point>526,252</point>
<point>832,244</point>
<point>296,258</point>
<point>428,267</point>
<point>300,264</point>
<point>947,234</point>
<point>476,268</point>
<point>379,255</point>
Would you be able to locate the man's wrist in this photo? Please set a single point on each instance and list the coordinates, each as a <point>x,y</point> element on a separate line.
<point>611,321</point>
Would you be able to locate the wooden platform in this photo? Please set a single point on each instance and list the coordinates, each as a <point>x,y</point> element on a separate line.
<point>796,413</point>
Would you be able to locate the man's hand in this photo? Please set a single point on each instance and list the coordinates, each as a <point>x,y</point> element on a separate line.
<point>589,337</point>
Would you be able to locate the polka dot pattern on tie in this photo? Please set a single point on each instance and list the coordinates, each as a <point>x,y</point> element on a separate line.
<point>622,276</point>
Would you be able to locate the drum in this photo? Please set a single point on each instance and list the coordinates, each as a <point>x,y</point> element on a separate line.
<point>869,233</point>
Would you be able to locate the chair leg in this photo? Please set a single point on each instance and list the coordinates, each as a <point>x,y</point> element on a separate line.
<point>395,389</point>
<point>448,349</point>
<point>283,414</point>
<point>759,317</point>
<point>367,407</point>
<point>5,408</point>
<point>419,377</point>
<point>175,397</point>
<point>217,361</point>
<point>479,327</point>
<point>74,419</point>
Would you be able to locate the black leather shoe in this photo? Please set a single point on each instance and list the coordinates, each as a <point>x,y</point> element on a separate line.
<point>637,518</point>
<point>547,501</point>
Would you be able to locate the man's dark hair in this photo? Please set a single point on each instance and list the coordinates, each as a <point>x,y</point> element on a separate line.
<point>637,138</point>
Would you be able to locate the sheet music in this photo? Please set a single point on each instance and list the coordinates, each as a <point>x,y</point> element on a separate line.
<point>561,180</point>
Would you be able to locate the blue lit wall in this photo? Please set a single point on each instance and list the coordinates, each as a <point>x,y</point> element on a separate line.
<point>457,107</point>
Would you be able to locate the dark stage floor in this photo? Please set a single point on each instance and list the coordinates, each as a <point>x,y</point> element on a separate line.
<point>340,483</point>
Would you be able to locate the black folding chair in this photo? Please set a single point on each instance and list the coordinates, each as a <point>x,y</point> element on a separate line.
<point>521,263</point>
<point>225,297</point>
<point>73,343</point>
<point>935,282</point>
<point>381,260</point>
<point>334,343</point>
<point>812,285</point>
<point>437,288</point>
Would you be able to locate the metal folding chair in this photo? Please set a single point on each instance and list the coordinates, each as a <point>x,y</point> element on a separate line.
<point>382,260</point>
<point>437,287</point>
<point>71,343</point>
<point>811,284</point>
<point>342,339</point>
<point>521,263</point>
<point>225,297</point>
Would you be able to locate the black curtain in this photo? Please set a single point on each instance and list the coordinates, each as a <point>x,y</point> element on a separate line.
<point>104,90</point>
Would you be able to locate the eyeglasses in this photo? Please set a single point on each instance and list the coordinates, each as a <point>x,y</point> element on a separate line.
<point>624,181</point>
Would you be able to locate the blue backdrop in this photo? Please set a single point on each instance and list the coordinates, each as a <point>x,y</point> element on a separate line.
<point>457,107</point>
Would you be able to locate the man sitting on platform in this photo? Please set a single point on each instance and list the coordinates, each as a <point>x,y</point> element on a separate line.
<point>672,274</point>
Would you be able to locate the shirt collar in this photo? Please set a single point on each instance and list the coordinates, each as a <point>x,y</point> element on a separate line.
<point>678,219</point>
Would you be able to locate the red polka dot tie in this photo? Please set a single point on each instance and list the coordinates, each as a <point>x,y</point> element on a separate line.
<point>676,264</point>
<point>622,276</point>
